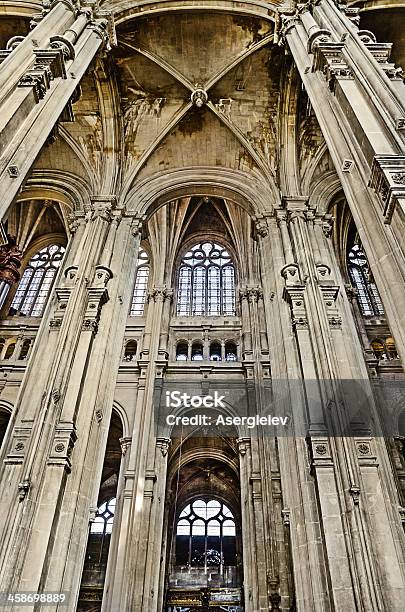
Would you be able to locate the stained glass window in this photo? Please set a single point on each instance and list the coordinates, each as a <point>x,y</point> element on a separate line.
<point>206,281</point>
<point>367,293</point>
<point>206,535</point>
<point>36,282</point>
<point>141,285</point>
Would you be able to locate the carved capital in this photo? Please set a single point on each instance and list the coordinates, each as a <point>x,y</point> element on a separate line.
<point>23,488</point>
<point>160,294</point>
<point>163,444</point>
<point>125,444</point>
<point>101,207</point>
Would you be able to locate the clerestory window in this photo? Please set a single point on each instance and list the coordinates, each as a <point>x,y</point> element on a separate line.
<point>206,281</point>
<point>141,285</point>
<point>37,281</point>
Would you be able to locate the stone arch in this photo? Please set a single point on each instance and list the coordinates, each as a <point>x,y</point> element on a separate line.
<point>125,10</point>
<point>65,187</point>
<point>251,192</point>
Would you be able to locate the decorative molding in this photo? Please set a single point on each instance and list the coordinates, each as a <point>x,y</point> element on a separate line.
<point>125,443</point>
<point>163,444</point>
<point>388,181</point>
<point>62,445</point>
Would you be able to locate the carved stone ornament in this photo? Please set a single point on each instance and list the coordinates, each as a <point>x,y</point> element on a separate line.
<point>125,444</point>
<point>290,272</point>
<point>23,488</point>
<point>363,448</point>
<point>13,171</point>
<point>286,516</point>
<point>355,493</point>
<point>10,261</point>
<point>398,178</point>
<point>160,294</point>
<point>90,325</point>
<point>199,97</point>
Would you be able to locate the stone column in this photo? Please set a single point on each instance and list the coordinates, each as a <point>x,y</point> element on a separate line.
<point>342,467</point>
<point>33,107</point>
<point>69,400</point>
<point>136,577</point>
<point>18,55</point>
<point>359,104</point>
<point>298,495</point>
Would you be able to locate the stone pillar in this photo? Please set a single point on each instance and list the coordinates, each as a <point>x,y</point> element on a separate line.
<point>343,468</point>
<point>17,57</point>
<point>359,104</point>
<point>135,582</point>
<point>77,356</point>
<point>298,498</point>
<point>33,107</point>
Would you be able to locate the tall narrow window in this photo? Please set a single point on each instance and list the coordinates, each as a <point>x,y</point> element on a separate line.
<point>367,293</point>
<point>141,285</point>
<point>206,281</point>
<point>36,283</point>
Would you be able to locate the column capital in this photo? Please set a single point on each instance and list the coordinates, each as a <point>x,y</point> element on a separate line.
<point>125,443</point>
<point>160,294</point>
<point>100,206</point>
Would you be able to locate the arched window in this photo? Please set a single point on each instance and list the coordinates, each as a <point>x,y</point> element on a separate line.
<point>231,352</point>
<point>25,349</point>
<point>215,351</point>
<point>130,350</point>
<point>37,280</point>
<point>182,351</point>
<point>141,285</point>
<point>206,535</point>
<point>10,350</point>
<point>367,293</point>
<point>206,281</point>
<point>197,351</point>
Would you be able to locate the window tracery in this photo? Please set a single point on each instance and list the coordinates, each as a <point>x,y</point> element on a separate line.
<point>206,281</point>
<point>141,285</point>
<point>206,535</point>
<point>368,296</point>
<point>37,281</point>
<point>103,522</point>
